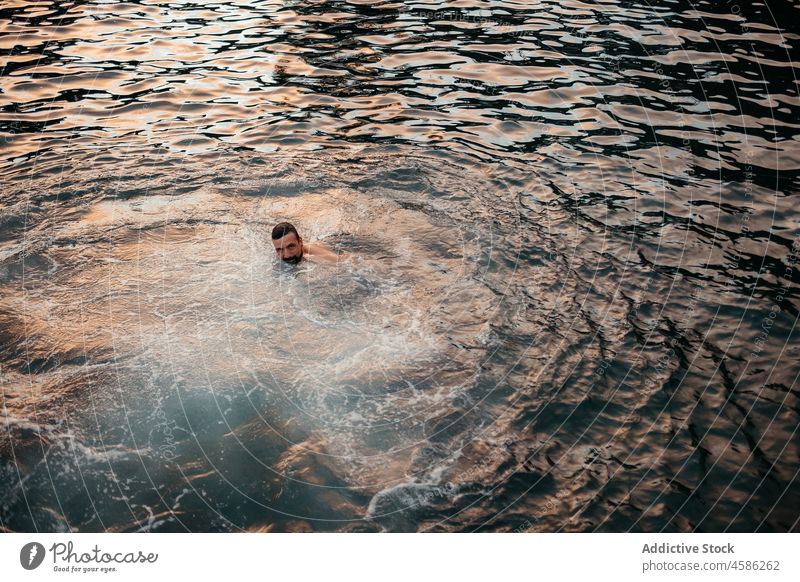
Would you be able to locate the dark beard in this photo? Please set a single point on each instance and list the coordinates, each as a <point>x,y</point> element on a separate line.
<point>293,260</point>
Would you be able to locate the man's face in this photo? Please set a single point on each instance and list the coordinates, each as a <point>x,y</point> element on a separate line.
<point>289,248</point>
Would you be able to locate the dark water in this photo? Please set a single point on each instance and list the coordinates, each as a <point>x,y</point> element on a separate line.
<point>573,294</point>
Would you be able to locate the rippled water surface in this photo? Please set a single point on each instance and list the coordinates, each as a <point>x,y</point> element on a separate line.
<point>572,287</point>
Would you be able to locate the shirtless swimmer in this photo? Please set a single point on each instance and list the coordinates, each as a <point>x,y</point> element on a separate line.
<point>291,249</point>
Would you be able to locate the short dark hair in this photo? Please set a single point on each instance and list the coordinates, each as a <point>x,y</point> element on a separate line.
<point>282,229</point>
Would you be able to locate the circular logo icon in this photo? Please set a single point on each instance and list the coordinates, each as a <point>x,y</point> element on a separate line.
<point>31,555</point>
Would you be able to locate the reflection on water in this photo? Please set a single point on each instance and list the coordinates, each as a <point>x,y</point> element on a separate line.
<point>573,291</point>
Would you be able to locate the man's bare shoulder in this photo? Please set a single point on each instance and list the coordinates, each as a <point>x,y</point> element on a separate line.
<point>322,252</point>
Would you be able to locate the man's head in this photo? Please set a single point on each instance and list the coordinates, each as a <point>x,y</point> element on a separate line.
<point>288,244</point>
